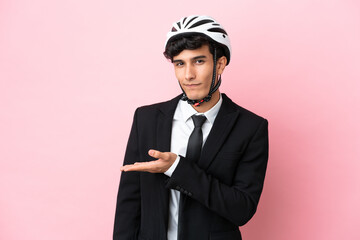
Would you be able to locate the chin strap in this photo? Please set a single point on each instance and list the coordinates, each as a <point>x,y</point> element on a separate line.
<point>213,88</point>
<point>197,103</point>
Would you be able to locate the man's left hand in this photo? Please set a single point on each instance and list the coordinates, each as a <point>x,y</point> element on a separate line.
<point>161,165</point>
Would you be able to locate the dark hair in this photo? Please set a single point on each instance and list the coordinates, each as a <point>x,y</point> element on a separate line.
<point>191,42</point>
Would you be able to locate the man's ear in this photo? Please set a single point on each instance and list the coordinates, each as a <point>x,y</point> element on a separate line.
<point>221,64</point>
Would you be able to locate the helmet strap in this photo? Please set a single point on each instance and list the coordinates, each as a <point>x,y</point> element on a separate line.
<point>213,87</point>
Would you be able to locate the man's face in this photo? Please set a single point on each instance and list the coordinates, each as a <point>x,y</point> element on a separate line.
<point>194,69</point>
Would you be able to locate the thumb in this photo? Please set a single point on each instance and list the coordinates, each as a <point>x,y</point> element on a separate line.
<point>155,153</point>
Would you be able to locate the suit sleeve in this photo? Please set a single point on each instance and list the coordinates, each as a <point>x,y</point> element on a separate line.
<point>127,215</point>
<point>236,202</point>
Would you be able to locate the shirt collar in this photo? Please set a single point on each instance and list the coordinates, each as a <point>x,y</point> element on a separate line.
<point>186,111</point>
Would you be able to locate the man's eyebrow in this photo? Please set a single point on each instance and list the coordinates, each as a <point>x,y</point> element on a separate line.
<point>194,58</point>
<point>177,60</point>
<point>197,57</point>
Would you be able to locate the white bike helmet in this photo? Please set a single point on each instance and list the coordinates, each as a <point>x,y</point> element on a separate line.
<point>203,25</point>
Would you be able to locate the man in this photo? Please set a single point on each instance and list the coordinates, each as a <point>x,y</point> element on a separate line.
<point>195,165</point>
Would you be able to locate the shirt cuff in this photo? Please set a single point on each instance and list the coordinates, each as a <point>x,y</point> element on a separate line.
<point>171,169</point>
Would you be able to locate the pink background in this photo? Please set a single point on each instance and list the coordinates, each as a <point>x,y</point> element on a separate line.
<point>73,72</point>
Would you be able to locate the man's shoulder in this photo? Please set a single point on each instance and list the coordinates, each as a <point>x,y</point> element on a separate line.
<point>244,112</point>
<point>166,107</point>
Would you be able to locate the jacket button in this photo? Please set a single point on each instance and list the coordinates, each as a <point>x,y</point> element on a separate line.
<point>189,194</point>
<point>177,188</point>
<point>182,190</point>
<point>186,192</point>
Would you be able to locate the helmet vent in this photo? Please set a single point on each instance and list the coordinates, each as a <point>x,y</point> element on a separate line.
<point>202,22</point>
<point>219,30</point>
<point>184,19</point>
<point>190,21</point>
<point>173,29</point>
<point>178,23</point>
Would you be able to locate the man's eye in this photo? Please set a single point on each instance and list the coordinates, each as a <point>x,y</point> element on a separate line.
<point>199,61</point>
<point>179,64</point>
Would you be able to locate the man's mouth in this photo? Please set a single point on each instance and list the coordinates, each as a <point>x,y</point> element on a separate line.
<point>193,85</point>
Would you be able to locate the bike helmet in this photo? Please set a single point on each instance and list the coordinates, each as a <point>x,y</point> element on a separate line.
<point>203,25</point>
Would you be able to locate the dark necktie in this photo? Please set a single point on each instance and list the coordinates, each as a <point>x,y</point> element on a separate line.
<point>195,142</point>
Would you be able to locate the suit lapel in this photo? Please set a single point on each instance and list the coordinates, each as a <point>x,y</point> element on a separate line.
<point>163,143</point>
<point>164,124</point>
<point>223,124</point>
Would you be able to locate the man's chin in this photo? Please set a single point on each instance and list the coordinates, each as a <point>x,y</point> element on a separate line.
<point>196,97</point>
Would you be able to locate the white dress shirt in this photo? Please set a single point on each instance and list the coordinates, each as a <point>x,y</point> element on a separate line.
<point>181,130</point>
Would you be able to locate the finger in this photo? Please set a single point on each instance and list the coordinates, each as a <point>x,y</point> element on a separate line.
<point>157,154</point>
<point>123,168</point>
<point>133,167</point>
<point>127,166</point>
<point>138,166</point>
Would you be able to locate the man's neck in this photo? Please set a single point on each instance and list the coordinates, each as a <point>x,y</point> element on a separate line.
<point>205,106</point>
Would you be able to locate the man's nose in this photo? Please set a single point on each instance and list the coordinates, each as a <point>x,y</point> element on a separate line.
<point>189,73</point>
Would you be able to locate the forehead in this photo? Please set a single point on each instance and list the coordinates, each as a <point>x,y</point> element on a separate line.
<point>189,54</point>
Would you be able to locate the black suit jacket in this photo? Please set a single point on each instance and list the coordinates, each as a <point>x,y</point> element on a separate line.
<point>219,192</point>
